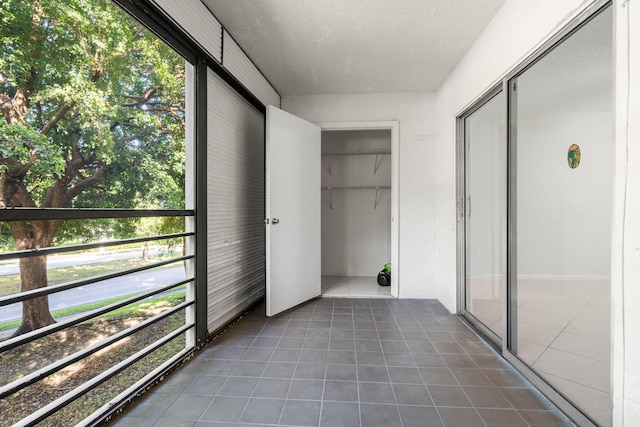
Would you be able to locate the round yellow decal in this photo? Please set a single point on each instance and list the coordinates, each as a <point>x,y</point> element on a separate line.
<point>573,157</point>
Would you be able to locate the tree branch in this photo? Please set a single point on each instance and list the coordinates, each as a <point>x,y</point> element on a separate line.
<point>142,99</point>
<point>5,107</point>
<point>56,193</point>
<point>11,180</point>
<point>83,185</point>
<point>64,109</point>
<point>131,125</point>
<point>22,196</point>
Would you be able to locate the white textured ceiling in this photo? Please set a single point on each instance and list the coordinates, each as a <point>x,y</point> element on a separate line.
<point>354,46</point>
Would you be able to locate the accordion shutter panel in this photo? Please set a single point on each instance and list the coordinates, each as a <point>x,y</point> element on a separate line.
<point>238,64</point>
<point>197,21</point>
<point>201,25</point>
<point>235,211</point>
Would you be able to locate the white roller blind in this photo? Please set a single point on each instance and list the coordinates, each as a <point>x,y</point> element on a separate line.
<point>235,198</point>
<point>238,64</point>
<point>197,21</point>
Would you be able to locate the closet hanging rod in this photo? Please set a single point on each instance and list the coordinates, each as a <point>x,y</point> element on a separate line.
<point>357,187</point>
<point>357,153</point>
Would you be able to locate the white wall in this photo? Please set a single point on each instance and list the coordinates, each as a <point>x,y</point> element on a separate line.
<point>564,215</point>
<point>356,231</point>
<point>626,252</point>
<point>415,113</point>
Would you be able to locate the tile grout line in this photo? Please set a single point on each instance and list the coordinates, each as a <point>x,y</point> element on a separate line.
<point>326,363</point>
<point>386,364</point>
<point>265,368</point>
<point>424,383</point>
<point>355,355</point>
<point>460,385</point>
<point>494,353</point>
<point>372,314</point>
<point>246,405</point>
<point>297,363</point>
<point>228,376</point>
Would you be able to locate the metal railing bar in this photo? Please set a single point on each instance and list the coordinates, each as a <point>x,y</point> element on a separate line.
<point>14,342</point>
<point>36,376</point>
<point>74,248</point>
<point>114,404</point>
<point>63,401</point>
<point>44,214</point>
<point>47,290</point>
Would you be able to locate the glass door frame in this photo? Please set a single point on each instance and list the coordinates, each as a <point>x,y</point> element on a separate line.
<point>507,347</point>
<point>462,209</point>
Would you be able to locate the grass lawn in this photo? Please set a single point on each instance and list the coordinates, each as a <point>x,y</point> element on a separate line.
<point>10,283</point>
<point>30,357</point>
<point>81,309</point>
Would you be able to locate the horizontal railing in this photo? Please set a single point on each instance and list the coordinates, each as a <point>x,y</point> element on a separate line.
<point>78,392</point>
<point>44,214</point>
<point>87,246</point>
<point>36,376</point>
<point>59,326</point>
<point>113,406</point>
<point>31,378</point>
<point>35,293</point>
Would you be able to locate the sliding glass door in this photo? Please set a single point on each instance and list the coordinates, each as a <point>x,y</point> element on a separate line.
<point>535,197</point>
<point>562,161</point>
<point>485,162</point>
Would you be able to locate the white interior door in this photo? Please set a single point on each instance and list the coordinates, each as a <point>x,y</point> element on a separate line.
<point>292,210</point>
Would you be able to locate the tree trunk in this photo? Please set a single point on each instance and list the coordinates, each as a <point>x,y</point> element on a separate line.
<point>145,251</point>
<point>35,312</point>
<point>33,270</point>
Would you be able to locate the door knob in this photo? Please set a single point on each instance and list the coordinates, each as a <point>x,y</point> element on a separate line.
<point>275,221</point>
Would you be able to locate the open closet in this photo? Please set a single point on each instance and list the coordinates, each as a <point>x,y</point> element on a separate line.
<point>356,211</point>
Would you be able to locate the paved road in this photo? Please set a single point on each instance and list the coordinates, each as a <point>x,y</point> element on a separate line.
<point>68,260</point>
<point>125,285</point>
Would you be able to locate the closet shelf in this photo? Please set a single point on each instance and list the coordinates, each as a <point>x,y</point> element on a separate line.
<point>377,153</point>
<point>356,187</point>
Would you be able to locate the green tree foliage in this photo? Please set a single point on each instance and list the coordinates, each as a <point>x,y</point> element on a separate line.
<point>92,115</point>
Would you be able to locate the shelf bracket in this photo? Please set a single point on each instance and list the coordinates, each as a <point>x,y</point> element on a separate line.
<point>375,202</point>
<point>377,163</point>
<point>330,172</point>
<point>330,197</point>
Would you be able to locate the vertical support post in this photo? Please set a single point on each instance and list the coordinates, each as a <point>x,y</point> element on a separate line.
<point>190,195</point>
<point>201,203</point>
<point>511,318</point>
<point>460,217</point>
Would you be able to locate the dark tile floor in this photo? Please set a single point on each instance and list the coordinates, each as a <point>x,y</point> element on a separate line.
<point>346,362</point>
